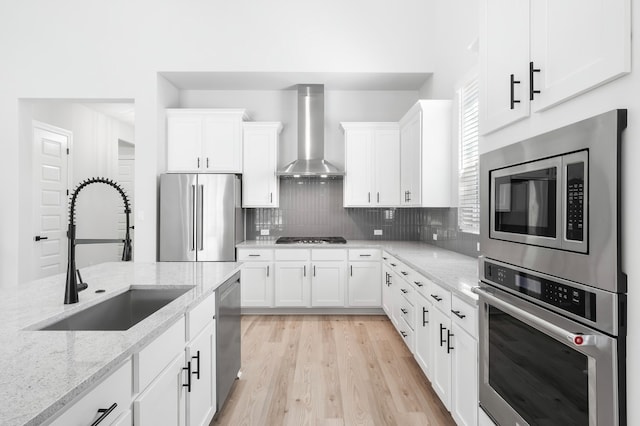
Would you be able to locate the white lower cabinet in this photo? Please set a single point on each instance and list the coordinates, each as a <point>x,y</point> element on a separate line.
<point>292,284</point>
<point>328,282</point>
<point>441,372</point>
<point>464,392</point>
<point>163,402</point>
<point>201,389</point>
<point>256,279</point>
<point>423,352</point>
<point>364,284</point>
<point>110,399</point>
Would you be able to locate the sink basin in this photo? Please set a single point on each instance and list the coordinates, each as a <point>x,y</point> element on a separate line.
<point>120,312</point>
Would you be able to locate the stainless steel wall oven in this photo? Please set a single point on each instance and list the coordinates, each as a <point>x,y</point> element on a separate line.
<point>552,291</point>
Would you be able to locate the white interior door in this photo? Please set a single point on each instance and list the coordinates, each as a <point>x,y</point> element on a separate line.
<point>50,156</point>
<point>126,174</point>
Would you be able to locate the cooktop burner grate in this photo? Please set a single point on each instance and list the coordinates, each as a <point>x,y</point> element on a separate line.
<point>311,240</point>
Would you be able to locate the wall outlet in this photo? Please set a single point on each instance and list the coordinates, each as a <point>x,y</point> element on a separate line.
<point>377,232</point>
<point>264,232</point>
<point>435,237</point>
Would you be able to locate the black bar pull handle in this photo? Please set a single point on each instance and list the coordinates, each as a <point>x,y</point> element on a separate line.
<point>304,270</point>
<point>198,162</point>
<point>404,290</point>
<point>393,264</point>
<point>378,197</point>
<point>271,197</point>
<point>404,311</point>
<point>197,358</point>
<point>442,340</point>
<point>418,283</point>
<point>207,162</point>
<point>404,334</point>
<point>314,270</point>
<point>351,270</point>
<point>39,238</point>
<point>513,83</point>
<point>435,296</point>
<point>532,70</point>
<point>104,413</point>
<point>254,255</point>
<point>449,336</point>
<point>458,314</point>
<point>365,255</point>
<point>404,273</point>
<point>424,321</point>
<point>267,270</point>
<point>188,384</point>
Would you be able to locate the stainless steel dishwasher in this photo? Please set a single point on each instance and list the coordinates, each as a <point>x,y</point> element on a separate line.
<point>227,337</point>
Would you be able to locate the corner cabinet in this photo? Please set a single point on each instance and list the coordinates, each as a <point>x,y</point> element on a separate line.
<point>425,155</point>
<point>205,140</point>
<point>260,184</point>
<point>372,164</point>
<point>537,54</point>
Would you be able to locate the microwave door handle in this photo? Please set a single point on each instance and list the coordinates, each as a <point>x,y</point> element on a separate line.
<point>578,340</point>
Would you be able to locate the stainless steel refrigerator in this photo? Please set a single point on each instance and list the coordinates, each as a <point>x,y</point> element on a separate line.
<point>200,217</point>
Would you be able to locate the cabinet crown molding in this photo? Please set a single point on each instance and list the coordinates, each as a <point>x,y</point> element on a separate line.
<point>240,112</point>
<point>390,125</point>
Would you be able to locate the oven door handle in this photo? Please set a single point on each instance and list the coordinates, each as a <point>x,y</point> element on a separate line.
<point>552,329</point>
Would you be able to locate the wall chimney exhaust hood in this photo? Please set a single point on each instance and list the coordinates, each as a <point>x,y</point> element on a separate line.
<point>310,160</point>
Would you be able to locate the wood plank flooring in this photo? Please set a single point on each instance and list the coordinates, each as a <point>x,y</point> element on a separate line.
<point>328,370</point>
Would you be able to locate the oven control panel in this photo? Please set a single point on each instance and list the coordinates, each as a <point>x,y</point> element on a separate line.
<point>566,297</point>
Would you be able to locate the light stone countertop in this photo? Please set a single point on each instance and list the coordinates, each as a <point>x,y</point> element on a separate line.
<point>445,267</point>
<point>41,371</point>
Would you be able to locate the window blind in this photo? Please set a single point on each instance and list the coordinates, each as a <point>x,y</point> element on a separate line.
<point>468,167</point>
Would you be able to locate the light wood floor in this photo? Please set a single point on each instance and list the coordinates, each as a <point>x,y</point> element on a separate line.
<point>328,370</point>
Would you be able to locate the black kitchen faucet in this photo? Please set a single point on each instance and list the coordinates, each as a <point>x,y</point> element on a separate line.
<point>72,286</point>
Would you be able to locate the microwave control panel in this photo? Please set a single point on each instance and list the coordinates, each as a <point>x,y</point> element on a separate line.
<point>575,202</point>
<point>560,295</point>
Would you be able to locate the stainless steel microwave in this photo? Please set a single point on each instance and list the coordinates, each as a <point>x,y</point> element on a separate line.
<point>551,203</point>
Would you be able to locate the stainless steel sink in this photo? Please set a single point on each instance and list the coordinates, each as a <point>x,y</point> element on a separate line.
<point>120,312</point>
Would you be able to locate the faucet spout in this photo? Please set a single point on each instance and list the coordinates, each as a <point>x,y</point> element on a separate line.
<point>71,286</point>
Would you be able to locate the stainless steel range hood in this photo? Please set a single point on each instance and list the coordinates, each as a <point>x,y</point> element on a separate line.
<point>310,160</point>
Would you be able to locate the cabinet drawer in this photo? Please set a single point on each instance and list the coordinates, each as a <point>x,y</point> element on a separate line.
<point>422,284</point>
<point>465,315</point>
<point>328,254</point>
<point>115,389</point>
<point>200,316</point>
<point>406,290</point>
<point>292,254</point>
<point>407,312</point>
<point>441,298</point>
<point>364,254</point>
<point>154,357</point>
<point>259,254</point>
<point>407,333</point>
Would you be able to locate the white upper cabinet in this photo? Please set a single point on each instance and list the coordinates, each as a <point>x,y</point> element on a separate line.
<point>205,140</point>
<point>504,62</point>
<point>260,184</point>
<point>577,45</point>
<point>372,164</point>
<point>535,54</point>
<point>425,155</point>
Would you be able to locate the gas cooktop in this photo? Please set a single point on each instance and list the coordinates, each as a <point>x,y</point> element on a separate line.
<point>311,240</point>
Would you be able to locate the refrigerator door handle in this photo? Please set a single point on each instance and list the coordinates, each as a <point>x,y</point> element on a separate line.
<point>199,215</point>
<point>192,221</point>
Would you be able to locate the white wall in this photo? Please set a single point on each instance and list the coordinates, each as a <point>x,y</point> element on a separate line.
<point>281,105</point>
<point>93,153</point>
<point>69,49</point>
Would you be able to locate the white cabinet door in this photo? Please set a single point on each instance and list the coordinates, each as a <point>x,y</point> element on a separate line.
<point>292,284</point>
<point>184,147</point>
<point>577,45</point>
<point>364,284</point>
<point>328,284</point>
<point>256,280</point>
<point>163,402</point>
<point>504,52</point>
<point>441,371</point>
<point>464,395</point>
<point>259,181</point>
<point>410,159</point>
<point>423,331</point>
<point>387,297</point>
<point>358,168</point>
<point>200,400</point>
<point>222,143</point>
<point>387,167</point>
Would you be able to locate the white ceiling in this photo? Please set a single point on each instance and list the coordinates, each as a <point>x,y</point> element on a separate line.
<point>288,80</point>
